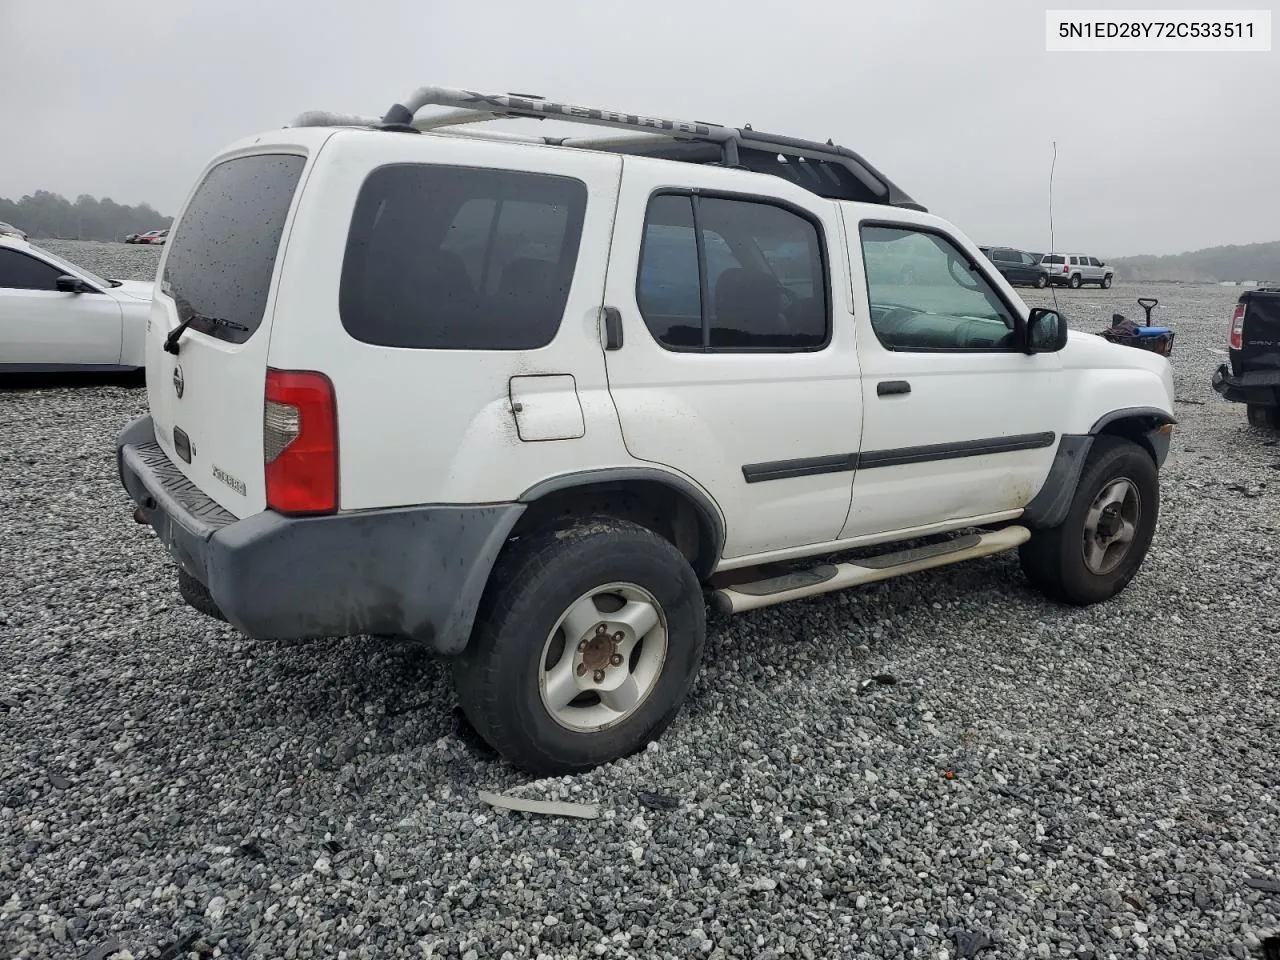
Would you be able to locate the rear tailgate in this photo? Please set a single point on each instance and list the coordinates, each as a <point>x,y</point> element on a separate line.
<point>1260,336</point>
<point>219,271</point>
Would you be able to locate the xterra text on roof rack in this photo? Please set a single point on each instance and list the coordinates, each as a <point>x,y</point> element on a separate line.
<point>532,402</point>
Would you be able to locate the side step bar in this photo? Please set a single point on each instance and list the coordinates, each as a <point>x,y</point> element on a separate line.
<point>829,577</point>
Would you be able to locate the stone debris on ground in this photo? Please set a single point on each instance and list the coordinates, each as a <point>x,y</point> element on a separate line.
<point>1116,786</point>
<point>546,808</point>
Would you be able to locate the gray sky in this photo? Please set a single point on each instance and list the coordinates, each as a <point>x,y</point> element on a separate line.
<point>956,101</point>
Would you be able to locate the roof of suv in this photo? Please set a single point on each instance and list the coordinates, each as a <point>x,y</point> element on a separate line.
<point>827,169</point>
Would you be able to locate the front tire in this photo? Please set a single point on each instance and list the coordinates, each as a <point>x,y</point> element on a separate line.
<point>1265,418</point>
<point>585,647</point>
<point>1097,549</point>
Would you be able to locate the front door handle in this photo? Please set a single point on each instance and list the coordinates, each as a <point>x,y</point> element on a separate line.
<point>612,328</point>
<point>886,388</point>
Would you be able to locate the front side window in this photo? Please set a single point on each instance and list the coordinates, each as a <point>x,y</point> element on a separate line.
<point>1094,262</point>
<point>926,294</point>
<point>21,272</point>
<point>460,258</point>
<point>726,274</point>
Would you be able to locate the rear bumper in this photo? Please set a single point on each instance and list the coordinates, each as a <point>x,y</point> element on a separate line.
<point>1259,388</point>
<point>416,571</point>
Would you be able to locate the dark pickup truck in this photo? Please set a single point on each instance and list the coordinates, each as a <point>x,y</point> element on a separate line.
<point>1251,374</point>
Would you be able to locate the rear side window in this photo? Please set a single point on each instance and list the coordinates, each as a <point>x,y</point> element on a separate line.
<point>726,274</point>
<point>221,256</point>
<point>460,258</point>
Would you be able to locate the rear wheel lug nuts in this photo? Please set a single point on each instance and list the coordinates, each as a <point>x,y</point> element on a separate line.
<point>617,637</point>
<point>616,659</point>
<point>599,676</point>
<point>582,668</point>
<point>582,645</point>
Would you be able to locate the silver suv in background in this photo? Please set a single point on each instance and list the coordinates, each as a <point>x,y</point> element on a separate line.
<point>1075,270</point>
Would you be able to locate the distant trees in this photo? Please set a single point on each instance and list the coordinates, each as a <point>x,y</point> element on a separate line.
<point>46,215</point>
<point>1250,261</point>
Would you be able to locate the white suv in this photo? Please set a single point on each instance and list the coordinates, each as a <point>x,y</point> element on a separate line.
<point>533,402</point>
<point>1076,269</point>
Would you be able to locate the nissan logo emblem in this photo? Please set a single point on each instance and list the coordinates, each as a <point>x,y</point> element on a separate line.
<point>178,385</point>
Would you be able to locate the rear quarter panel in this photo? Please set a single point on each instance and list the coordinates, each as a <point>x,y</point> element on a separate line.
<point>436,426</point>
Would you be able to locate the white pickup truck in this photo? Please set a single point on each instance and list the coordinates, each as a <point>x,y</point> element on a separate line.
<point>534,401</point>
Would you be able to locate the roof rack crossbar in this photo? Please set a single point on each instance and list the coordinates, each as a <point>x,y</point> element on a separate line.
<point>538,108</point>
<point>467,107</point>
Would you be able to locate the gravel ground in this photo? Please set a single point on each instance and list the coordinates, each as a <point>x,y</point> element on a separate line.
<point>1053,782</point>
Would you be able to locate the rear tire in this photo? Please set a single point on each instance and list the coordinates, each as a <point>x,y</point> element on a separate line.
<point>1097,549</point>
<point>1075,281</point>
<point>1265,418</point>
<point>555,678</point>
<point>1106,282</point>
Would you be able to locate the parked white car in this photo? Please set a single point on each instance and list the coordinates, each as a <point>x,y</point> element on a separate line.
<point>56,316</point>
<point>532,403</point>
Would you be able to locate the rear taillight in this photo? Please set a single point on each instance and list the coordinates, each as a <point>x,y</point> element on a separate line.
<point>1065,268</point>
<point>1236,340</point>
<point>300,442</point>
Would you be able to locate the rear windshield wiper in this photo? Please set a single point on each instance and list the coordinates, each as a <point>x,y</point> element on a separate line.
<point>171,341</point>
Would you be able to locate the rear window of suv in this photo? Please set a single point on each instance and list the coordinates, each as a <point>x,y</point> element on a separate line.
<point>221,256</point>
<point>460,258</point>
<point>1053,258</point>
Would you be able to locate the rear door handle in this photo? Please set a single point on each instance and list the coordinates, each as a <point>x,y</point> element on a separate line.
<point>612,328</point>
<point>887,388</point>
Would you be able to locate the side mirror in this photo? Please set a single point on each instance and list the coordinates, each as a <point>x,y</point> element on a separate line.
<point>1046,331</point>
<point>69,284</point>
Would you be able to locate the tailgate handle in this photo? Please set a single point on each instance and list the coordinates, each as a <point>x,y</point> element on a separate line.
<point>612,328</point>
<point>887,388</point>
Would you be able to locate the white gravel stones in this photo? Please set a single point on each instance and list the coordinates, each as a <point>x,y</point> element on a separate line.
<point>1114,769</point>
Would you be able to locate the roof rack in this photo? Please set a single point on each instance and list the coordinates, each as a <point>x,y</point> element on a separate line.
<point>826,169</point>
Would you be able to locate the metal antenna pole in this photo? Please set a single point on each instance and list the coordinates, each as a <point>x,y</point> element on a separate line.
<point>1053,163</point>
<point>1052,249</point>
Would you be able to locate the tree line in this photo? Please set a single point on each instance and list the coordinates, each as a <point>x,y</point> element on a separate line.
<point>45,215</point>
<point>1250,261</point>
